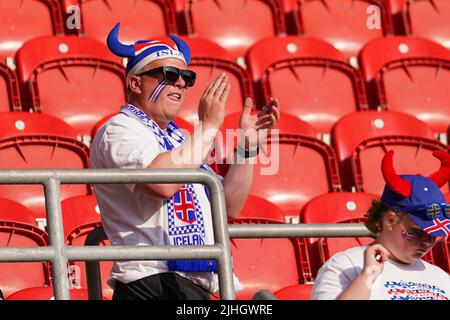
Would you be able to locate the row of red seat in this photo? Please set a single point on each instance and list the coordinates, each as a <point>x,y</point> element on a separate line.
<point>256,261</point>
<point>80,81</point>
<point>295,166</point>
<point>235,25</point>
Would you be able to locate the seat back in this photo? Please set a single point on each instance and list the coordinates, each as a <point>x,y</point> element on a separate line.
<point>258,209</point>
<point>354,129</point>
<point>333,208</point>
<point>309,77</point>
<point>81,215</point>
<point>46,293</point>
<point>409,75</point>
<point>347,24</point>
<point>17,229</point>
<point>226,142</point>
<point>209,60</point>
<point>412,155</point>
<point>337,206</point>
<point>257,263</point>
<point>40,146</point>
<point>75,79</point>
<point>428,19</point>
<point>296,292</point>
<point>27,19</point>
<point>16,124</point>
<point>235,25</point>
<point>138,19</point>
<point>295,169</point>
<point>9,88</point>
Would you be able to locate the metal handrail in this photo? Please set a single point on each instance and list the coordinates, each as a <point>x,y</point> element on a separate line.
<point>97,235</point>
<point>58,254</point>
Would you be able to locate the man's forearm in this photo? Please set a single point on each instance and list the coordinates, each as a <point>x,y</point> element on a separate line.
<point>237,184</point>
<point>190,155</point>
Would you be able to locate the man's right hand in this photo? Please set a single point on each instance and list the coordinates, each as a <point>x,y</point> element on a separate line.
<point>211,110</point>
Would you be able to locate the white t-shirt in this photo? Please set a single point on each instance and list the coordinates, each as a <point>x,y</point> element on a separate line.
<point>417,281</point>
<point>132,217</point>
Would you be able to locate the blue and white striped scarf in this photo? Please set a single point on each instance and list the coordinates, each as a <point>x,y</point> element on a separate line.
<point>185,222</point>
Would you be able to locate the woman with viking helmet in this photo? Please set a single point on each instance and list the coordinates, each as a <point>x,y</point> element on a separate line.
<point>408,220</point>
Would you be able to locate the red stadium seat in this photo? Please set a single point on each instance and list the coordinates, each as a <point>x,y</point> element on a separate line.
<point>37,141</point>
<point>409,75</point>
<point>15,212</point>
<point>427,19</point>
<point>413,155</point>
<point>9,88</point>
<point>288,124</point>
<point>235,25</point>
<point>80,216</point>
<point>444,258</point>
<point>346,24</point>
<point>356,128</point>
<point>23,20</point>
<point>24,123</point>
<point>257,209</point>
<point>139,19</point>
<point>258,262</point>
<point>309,77</point>
<point>296,292</point>
<point>46,293</point>
<point>208,60</point>
<point>333,208</point>
<point>337,206</point>
<point>295,169</point>
<point>17,229</point>
<point>75,79</point>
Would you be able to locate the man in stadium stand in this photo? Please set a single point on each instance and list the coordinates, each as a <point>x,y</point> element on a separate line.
<point>143,135</point>
<point>408,220</point>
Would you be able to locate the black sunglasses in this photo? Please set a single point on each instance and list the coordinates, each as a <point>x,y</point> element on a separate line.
<point>172,74</point>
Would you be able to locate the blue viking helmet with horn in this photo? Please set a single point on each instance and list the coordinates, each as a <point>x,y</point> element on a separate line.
<point>143,52</point>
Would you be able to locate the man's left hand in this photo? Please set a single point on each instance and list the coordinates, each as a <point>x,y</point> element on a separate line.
<point>256,126</point>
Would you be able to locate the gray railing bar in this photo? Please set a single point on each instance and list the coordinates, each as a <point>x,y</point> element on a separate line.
<point>56,234</point>
<point>319,230</point>
<point>110,176</point>
<point>97,235</point>
<point>26,254</point>
<point>53,178</point>
<point>17,254</point>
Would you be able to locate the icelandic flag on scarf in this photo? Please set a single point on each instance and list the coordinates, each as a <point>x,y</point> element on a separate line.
<point>185,222</point>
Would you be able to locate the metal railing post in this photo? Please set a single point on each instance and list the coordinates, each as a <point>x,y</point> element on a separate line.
<point>224,263</point>
<point>56,234</point>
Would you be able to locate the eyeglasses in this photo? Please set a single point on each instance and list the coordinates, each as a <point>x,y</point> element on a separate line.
<point>172,74</point>
<point>431,211</point>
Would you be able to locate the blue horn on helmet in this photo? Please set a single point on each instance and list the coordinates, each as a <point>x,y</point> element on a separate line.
<point>182,47</point>
<point>119,49</point>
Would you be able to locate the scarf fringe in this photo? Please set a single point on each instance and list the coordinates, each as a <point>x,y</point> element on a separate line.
<point>192,265</point>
